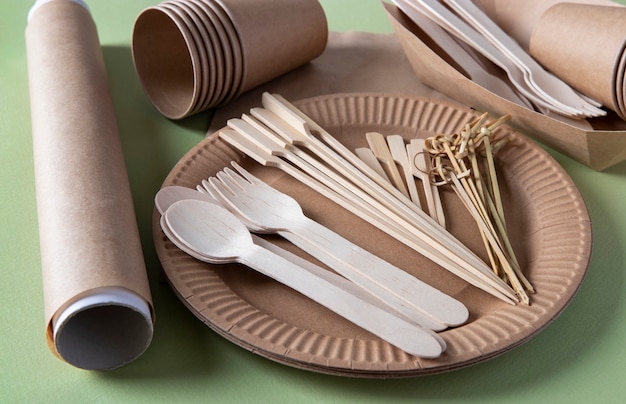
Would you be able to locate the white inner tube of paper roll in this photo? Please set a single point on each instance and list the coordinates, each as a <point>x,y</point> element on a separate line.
<point>39,3</point>
<point>104,330</point>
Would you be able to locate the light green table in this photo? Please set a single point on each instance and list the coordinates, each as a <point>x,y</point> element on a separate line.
<point>580,358</point>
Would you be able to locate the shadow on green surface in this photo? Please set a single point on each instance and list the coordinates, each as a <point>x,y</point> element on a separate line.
<point>152,145</point>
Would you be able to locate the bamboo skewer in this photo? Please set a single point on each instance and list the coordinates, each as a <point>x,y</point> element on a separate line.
<point>478,189</point>
<point>339,163</point>
<point>306,127</point>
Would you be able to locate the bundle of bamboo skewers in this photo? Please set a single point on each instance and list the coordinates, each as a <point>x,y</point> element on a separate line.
<point>465,162</point>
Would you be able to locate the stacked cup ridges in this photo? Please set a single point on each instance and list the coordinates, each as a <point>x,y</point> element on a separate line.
<point>193,55</point>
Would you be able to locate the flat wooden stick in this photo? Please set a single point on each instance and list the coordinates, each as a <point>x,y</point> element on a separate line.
<point>377,143</point>
<point>397,148</point>
<point>367,156</point>
<point>421,169</point>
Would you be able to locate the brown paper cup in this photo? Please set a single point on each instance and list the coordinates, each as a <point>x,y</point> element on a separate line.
<point>519,17</point>
<point>98,307</point>
<point>582,44</point>
<point>259,40</point>
<point>276,35</point>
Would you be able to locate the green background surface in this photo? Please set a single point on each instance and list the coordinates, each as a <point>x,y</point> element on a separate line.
<point>579,358</point>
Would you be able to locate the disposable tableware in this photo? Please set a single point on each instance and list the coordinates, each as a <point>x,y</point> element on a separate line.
<point>560,103</point>
<point>274,211</point>
<point>168,196</point>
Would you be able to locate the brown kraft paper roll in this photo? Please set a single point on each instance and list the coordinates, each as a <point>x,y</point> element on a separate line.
<point>88,232</point>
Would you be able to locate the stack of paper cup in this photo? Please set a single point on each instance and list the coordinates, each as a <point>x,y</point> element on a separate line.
<point>192,55</point>
<point>584,45</point>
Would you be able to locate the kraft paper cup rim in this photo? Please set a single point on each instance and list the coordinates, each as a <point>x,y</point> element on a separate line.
<point>104,329</point>
<point>618,80</point>
<point>620,86</point>
<point>165,62</point>
<point>231,17</point>
<point>224,62</point>
<point>217,67</point>
<point>194,43</point>
<point>200,35</point>
<point>232,45</point>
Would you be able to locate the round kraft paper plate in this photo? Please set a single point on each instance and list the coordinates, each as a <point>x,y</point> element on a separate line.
<point>547,219</point>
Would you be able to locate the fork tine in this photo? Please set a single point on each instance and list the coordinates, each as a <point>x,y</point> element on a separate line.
<point>247,175</point>
<point>200,188</point>
<point>227,181</point>
<point>220,188</point>
<point>232,188</point>
<point>206,186</point>
<point>221,191</point>
<point>235,178</point>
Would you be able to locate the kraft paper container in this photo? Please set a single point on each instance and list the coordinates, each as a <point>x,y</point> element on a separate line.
<point>583,45</point>
<point>598,143</point>
<point>256,40</point>
<point>98,308</point>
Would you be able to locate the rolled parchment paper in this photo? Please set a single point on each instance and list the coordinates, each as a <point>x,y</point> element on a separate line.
<point>98,307</point>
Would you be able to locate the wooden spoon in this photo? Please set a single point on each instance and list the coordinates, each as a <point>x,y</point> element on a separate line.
<point>169,195</point>
<point>218,237</point>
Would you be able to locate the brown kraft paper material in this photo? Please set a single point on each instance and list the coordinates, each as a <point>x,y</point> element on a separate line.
<point>582,44</point>
<point>598,143</point>
<point>518,18</point>
<point>89,238</point>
